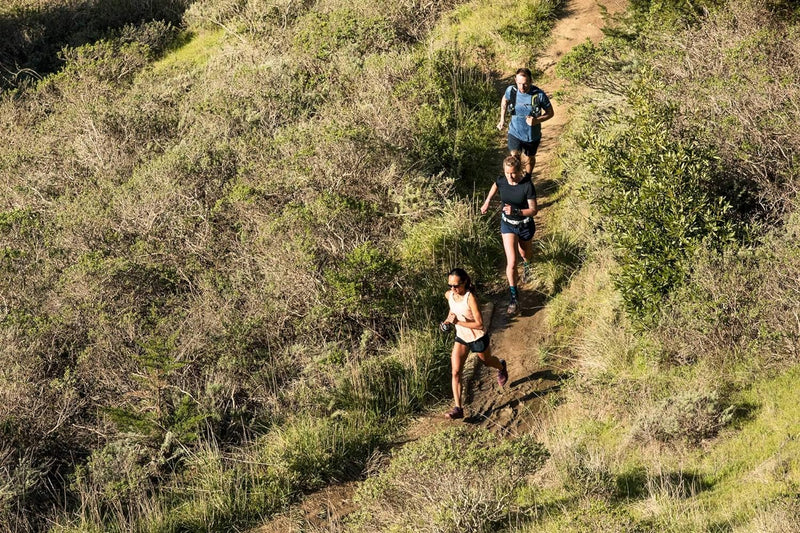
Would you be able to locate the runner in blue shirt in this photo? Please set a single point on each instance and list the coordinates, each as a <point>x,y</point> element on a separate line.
<point>528,106</point>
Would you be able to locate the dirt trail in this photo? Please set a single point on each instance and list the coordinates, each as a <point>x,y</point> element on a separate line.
<point>514,409</point>
<point>516,339</point>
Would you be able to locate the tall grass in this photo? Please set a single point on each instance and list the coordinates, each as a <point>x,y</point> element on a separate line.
<point>223,238</point>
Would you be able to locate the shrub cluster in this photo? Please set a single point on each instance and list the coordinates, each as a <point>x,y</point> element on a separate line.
<point>682,167</point>
<point>224,241</point>
<point>694,197</point>
<point>35,32</point>
<point>656,201</point>
<point>470,480</point>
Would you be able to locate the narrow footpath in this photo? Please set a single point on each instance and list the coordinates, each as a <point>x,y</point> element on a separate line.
<point>516,339</point>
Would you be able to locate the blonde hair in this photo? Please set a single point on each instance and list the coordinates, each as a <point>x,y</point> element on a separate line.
<point>512,161</point>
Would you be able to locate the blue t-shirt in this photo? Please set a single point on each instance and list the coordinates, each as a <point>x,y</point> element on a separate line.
<point>528,104</point>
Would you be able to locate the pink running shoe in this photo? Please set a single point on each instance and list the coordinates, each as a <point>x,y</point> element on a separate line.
<point>502,374</point>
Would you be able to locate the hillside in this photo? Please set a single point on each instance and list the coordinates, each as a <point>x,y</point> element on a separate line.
<point>224,232</point>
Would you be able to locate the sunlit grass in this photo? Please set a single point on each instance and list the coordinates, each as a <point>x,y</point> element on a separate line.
<point>194,50</point>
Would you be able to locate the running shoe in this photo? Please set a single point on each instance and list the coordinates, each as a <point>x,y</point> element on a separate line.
<point>455,413</point>
<point>502,374</point>
<point>512,306</point>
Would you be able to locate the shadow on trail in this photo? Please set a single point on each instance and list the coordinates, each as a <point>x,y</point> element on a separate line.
<point>544,375</point>
<point>478,418</point>
<point>531,303</point>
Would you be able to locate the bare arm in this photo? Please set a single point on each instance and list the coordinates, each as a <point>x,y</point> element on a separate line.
<point>503,104</point>
<point>450,315</point>
<point>492,192</point>
<point>533,208</point>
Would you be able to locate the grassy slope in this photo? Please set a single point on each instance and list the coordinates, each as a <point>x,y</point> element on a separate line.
<point>605,470</point>
<point>212,263</point>
<point>688,423</point>
<point>641,442</point>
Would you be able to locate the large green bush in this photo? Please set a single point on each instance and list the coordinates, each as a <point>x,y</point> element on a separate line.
<point>655,196</point>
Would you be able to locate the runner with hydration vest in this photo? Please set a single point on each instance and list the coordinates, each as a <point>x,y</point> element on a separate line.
<point>528,107</point>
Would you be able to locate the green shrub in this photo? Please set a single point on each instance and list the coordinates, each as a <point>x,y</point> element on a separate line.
<point>470,479</point>
<point>692,416</point>
<point>653,193</point>
<point>531,23</point>
<point>742,56</point>
<point>34,33</point>
<point>456,236</point>
<point>673,11</point>
<point>322,34</point>
<point>452,129</point>
<point>363,286</point>
<point>599,515</point>
<point>317,451</point>
<point>20,480</point>
<point>400,383</point>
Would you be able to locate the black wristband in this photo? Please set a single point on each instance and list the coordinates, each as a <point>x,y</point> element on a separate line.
<point>516,211</point>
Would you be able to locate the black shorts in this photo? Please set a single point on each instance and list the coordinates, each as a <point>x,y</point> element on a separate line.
<point>527,148</point>
<point>476,346</point>
<point>523,231</point>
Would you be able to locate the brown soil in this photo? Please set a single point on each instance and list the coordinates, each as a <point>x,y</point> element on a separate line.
<point>515,408</point>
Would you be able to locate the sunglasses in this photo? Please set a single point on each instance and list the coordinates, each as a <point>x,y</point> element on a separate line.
<point>454,286</point>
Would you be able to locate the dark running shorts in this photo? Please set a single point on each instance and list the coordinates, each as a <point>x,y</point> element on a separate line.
<point>527,148</point>
<point>523,231</point>
<point>477,346</point>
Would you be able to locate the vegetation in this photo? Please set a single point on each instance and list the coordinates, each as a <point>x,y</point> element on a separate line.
<point>681,175</point>
<point>223,233</point>
<point>224,229</point>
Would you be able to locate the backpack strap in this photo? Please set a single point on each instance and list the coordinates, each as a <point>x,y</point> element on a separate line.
<point>512,102</point>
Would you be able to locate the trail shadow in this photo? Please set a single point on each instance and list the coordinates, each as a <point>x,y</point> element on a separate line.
<point>32,37</point>
<point>531,302</point>
<point>477,418</point>
<point>544,375</point>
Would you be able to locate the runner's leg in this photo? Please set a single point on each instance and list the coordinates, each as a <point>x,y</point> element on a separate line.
<point>489,359</point>
<point>510,247</point>
<point>457,358</point>
<point>525,249</point>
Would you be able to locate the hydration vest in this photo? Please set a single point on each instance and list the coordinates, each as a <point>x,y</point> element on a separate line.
<point>535,107</point>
